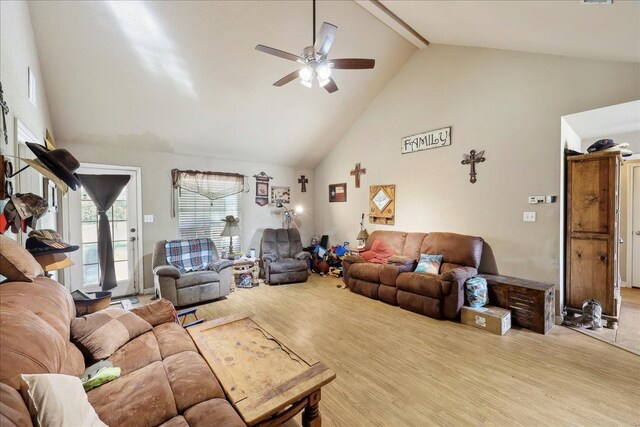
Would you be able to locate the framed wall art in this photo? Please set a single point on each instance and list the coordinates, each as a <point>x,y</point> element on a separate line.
<point>262,188</point>
<point>338,192</point>
<point>280,194</point>
<point>382,204</point>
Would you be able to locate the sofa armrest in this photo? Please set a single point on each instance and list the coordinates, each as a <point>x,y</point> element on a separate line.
<point>460,274</point>
<point>353,259</point>
<point>269,257</point>
<point>167,271</point>
<point>220,265</point>
<point>156,313</point>
<point>302,255</point>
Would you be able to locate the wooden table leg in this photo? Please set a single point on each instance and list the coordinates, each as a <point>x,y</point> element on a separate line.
<point>311,414</point>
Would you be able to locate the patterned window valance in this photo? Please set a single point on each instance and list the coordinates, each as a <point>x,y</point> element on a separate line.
<point>212,185</point>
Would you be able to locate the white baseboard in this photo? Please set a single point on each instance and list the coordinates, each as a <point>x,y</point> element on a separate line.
<point>624,284</point>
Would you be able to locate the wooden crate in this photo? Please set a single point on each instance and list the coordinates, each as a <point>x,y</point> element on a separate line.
<point>532,304</point>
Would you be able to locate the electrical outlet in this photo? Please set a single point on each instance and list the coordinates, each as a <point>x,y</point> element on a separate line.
<point>148,218</point>
<point>529,217</point>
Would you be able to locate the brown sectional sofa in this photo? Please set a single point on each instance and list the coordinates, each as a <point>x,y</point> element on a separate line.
<point>437,296</point>
<point>164,382</point>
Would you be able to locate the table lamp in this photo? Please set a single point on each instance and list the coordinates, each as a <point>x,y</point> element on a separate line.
<point>231,228</point>
<point>363,235</point>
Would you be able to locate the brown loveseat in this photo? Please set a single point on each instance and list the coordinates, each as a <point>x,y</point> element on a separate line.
<point>164,379</point>
<point>437,296</point>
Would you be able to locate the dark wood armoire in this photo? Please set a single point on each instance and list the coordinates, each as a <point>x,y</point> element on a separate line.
<point>593,232</point>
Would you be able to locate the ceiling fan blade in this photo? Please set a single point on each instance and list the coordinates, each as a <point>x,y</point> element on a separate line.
<point>278,52</point>
<point>331,86</point>
<point>287,79</point>
<point>353,63</point>
<point>325,37</point>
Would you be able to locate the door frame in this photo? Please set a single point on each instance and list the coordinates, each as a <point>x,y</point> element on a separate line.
<point>633,167</point>
<point>139,262</point>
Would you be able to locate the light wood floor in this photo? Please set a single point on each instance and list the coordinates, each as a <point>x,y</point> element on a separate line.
<point>397,368</point>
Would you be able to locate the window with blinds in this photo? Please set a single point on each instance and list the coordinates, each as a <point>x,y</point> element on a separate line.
<point>199,217</point>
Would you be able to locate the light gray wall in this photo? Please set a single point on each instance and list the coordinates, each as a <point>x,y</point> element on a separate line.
<point>506,103</point>
<point>156,192</point>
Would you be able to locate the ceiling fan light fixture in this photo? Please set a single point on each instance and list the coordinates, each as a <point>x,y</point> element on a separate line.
<point>324,72</point>
<point>323,82</point>
<point>306,83</point>
<point>306,74</point>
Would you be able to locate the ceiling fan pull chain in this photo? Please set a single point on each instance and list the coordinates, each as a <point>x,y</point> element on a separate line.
<point>314,23</point>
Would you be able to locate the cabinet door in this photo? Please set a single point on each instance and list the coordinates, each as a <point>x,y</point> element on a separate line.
<point>590,273</point>
<point>590,196</point>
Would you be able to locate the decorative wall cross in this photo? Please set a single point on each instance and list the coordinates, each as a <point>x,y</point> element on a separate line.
<point>357,171</point>
<point>5,111</point>
<point>303,183</point>
<point>471,159</point>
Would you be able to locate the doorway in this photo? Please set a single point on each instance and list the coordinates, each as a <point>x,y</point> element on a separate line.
<point>633,225</point>
<point>125,221</point>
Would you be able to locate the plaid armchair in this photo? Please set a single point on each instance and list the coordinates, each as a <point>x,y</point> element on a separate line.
<point>190,271</point>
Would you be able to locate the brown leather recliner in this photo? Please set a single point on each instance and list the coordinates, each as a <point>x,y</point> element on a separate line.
<point>282,259</point>
<point>437,296</point>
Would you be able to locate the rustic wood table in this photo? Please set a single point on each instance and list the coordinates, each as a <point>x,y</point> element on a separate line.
<point>264,377</point>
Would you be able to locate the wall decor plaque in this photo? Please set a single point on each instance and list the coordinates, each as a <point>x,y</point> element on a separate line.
<point>280,194</point>
<point>338,192</point>
<point>262,188</point>
<point>382,204</point>
<point>426,141</point>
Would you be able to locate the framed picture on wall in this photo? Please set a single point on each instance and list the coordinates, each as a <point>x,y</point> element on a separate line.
<point>49,194</point>
<point>280,194</point>
<point>338,192</point>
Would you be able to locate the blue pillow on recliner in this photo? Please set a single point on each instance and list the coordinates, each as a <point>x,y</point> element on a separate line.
<point>429,264</point>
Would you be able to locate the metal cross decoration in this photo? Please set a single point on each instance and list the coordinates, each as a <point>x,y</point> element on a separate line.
<point>5,111</point>
<point>357,171</point>
<point>471,159</point>
<point>303,181</point>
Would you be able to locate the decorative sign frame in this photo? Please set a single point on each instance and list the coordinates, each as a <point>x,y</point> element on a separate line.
<point>382,204</point>
<point>338,192</point>
<point>262,188</point>
<point>280,194</point>
<point>426,141</point>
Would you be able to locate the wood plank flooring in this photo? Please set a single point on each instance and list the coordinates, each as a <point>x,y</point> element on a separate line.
<point>397,368</point>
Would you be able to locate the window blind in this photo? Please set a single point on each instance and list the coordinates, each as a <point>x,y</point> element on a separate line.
<point>200,217</point>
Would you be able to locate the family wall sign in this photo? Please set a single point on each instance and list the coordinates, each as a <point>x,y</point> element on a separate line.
<point>426,141</point>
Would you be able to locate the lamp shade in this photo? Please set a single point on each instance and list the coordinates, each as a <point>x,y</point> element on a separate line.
<point>231,226</point>
<point>51,262</point>
<point>363,234</point>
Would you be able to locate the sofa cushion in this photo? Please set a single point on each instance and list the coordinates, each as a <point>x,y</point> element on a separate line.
<point>412,244</point>
<point>455,248</point>
<point>29,346</point>
<point>73,363</point>
<point>286,265</point>
<point>100,334</point>
<point>58,400</point>
<point>420,283</point>
<point>157,312</point>
<point>16,263</point>
<point>173,339</point>
<point>178,421</point>
<point>137,353</point>
<point>214,412</point>
<point>197,278</point>
<point>366,271</point>
<point>141,398</point>
<point>191,380</point>
<point>13,410</point>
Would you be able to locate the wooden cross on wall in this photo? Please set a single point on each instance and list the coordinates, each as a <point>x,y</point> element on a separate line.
<point>471,159</point>
<point>357,171</point>
<point>303,183</point>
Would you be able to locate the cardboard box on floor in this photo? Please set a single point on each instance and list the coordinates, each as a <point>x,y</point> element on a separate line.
<point>493,319</point>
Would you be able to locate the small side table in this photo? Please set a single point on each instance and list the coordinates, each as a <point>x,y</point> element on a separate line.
<point>244,265</point>
<point>356,251</point>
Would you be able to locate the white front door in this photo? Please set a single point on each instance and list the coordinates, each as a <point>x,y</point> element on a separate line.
<point>635,227</point>
<point>124,220</point>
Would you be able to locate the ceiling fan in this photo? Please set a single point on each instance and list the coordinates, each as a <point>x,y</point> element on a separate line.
<point>314,61</point>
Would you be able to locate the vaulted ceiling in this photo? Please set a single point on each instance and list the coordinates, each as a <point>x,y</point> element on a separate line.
<point>184,76</point>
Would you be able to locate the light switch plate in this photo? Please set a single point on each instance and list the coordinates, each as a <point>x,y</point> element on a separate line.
<point>148,218</point>
<point>529,217</point>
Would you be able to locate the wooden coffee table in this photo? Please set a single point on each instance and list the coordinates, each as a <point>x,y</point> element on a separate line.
<point>264,377</point>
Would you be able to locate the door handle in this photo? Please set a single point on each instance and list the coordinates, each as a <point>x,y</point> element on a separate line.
<point>637,233</point>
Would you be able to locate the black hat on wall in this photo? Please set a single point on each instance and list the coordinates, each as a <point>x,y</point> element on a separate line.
<point>59,161</point>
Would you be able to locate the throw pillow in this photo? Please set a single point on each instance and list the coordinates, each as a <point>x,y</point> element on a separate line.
<point>16,263</point>
<point>429,264</point>
<point>100,334</point>
<point>58,400</point>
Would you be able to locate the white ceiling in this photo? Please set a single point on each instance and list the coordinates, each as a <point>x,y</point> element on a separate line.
<point>184,76</point>
<point>560,27</point>
<point>607,121</point>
